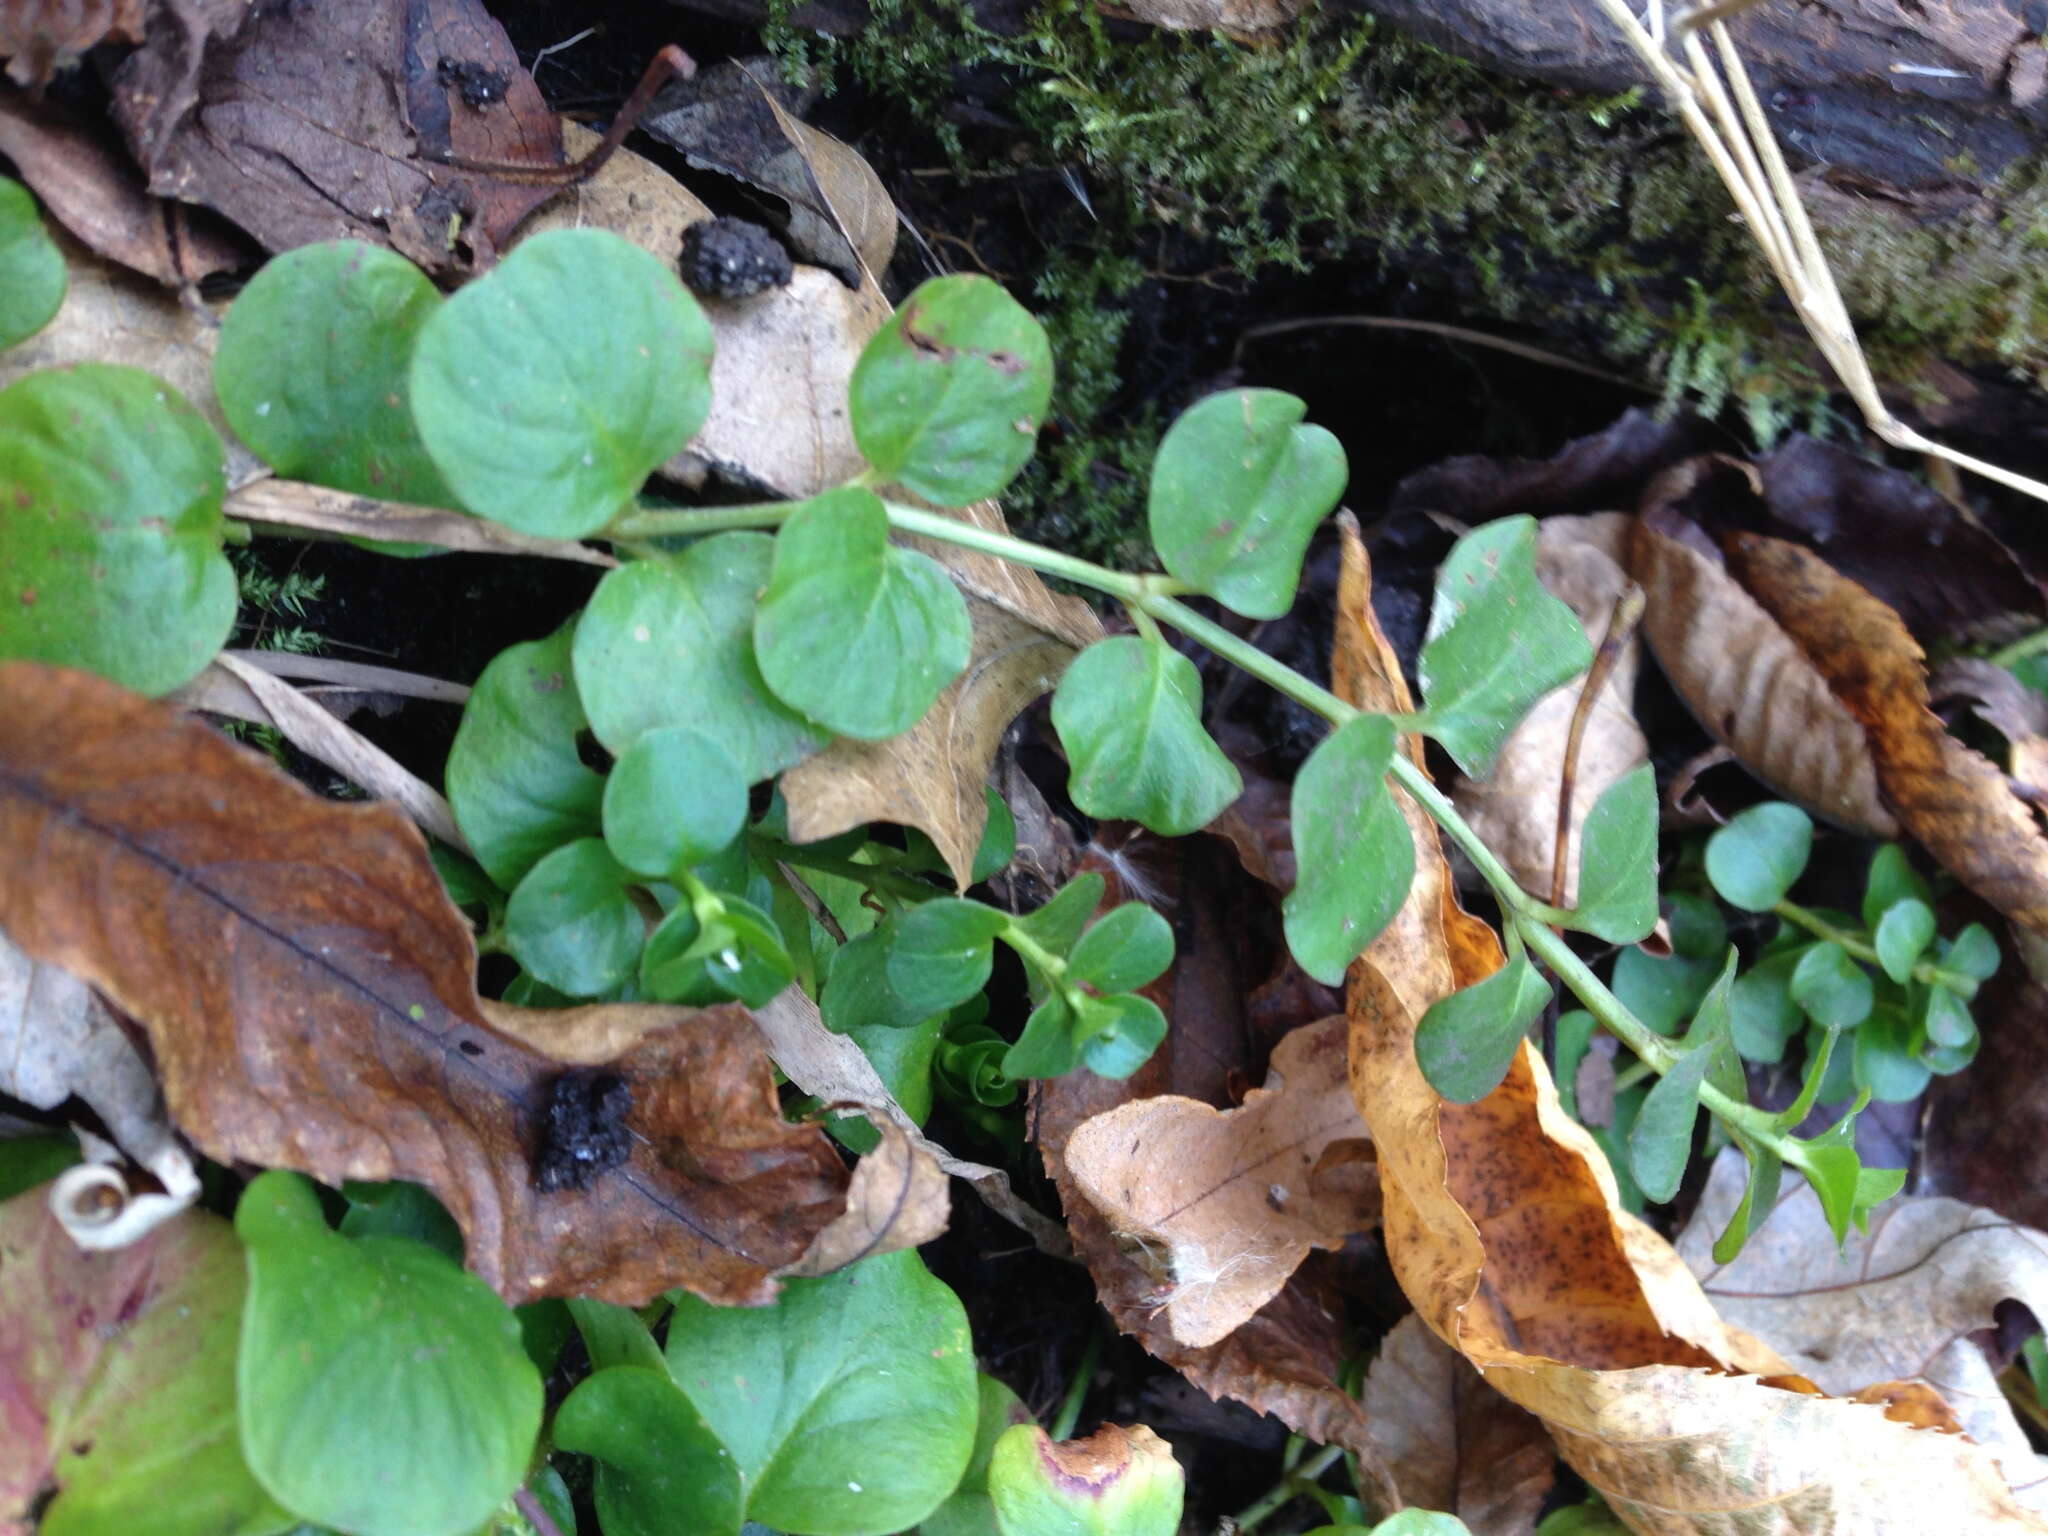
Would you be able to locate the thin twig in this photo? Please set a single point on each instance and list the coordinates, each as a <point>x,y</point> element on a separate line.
<point>1439,328</point>
<point>529,1509</point>
<point>1621,625</point>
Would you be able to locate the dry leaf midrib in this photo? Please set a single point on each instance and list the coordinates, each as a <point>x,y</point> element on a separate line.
<point>59,810</point>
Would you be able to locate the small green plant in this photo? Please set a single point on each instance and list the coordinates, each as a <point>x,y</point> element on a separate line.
<point>730,644</point>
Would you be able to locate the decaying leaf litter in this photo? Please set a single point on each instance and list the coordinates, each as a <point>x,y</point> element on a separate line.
<point>1246,1206</point>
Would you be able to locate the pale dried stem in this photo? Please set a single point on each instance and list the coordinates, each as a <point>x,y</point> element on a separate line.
<point>1719,107</point>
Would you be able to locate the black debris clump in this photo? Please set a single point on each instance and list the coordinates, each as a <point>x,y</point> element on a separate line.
<point>583,1130</point>
<point>731,259</point>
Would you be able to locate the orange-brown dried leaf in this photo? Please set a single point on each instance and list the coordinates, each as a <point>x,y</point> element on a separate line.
<point>1741,675</point>
<point>1950,798</point>
<point>309,998</point>
<point>1503,1228</point>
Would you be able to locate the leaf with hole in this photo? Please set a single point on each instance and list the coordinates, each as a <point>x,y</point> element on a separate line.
<point>31,267</point>
<point>1497,642</point>
<point>1238,487</point>
<point>855,633</point>
<point>1617,891</point>
<point>1354,858</point>
<point>1754,860</point>
<point>317,1394</point>
<point>672,801</point>
<point>314,367</point>
<point>670,641</point>
<point>112,487</point>
<point>1466,1041</point>
<point>947,397</point>
<point>547,390</point>
<point>848,1407</point>
<point>1129,713</point>
<point>515,779</point>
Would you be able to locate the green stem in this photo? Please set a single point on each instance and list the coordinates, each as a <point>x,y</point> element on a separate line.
<point>662,523</point>
<point>1287,1490</point>
<point>1062,1426</point>
<point>2021,649</point>
<point>873,876</point>
<point>1925,971</point>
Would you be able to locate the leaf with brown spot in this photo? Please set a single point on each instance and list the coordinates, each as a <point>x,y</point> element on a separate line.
<point>1896,1304</point>
<point>1579,560</point>
<point>1739,673</point>
<point>309,997</point>
<point>1225,1204</point>
<point>1451,1441</point>
<point>1503,1228</point>
<point>1950,798</point>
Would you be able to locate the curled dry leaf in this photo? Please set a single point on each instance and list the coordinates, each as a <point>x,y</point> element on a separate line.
<point>1451,1441</point>
<point>293,507</point>
<point>2009,706</point>
<point>1959,807</point>
<point>1581,561</point>
<point>1894,1304</point>
<point>58,1039</point>
<point>1740,674</point>
<point>1225,1204</point>
<point>37,36</point>
<point>897,1200</point>
<point>310,1001</point>
<point>1503,1227</point>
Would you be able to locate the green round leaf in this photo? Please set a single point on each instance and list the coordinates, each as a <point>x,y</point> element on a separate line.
<point>968,1512</point>
<point>1833,989</point>
<point>515,778</point>
<point>381,1390</point>
<point>942,954</point>
<point>572,922</point>
<point>1237,489</point>
<point>1946,1019</point>
<point>551,387</point>
<point>1129,712</point>
<point>660,1469</point>
<point>1497,642</point>
<point>1886,1061</point>
<point>1617,891</point>
<point>1753,861</point>
<point>314,370</point>
<point>855,633</point>
<point>111,485</point>
<point>1892,879</point>
<point>1763,1015</point>
<point>1046,1046</point>
<point>1664,992</point>
<point>1353,857</point>
<point>998,843</point>
<point>1057,925</point>
<point>1466,1042</point>
<point>947,397</point>
<point>1903,933</point>
<point>1972,953</point>
<point>1660,1141</point>
<point>1117,1035</point>
<point>849,1406</point>
<point>670,641</point>
<point>1124,949</point>
<point>672,801</point>
<point>31,267</point>
<point>857,994</point>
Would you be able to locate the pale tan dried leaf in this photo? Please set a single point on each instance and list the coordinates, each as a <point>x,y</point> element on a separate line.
<point>1451,1441</point>
<point>269,700</point>
<point>113,315</point>
<point>848,205</point>
<point>296,508</point>
<point>832,1068</point>
<point>1581,561</point>
<point>1246,20</point>
<point>59,1039</point>
<point>1895,1303</point>
<point>1748,685</point>
<point>897,1200</point>
<point>1225,1204</point>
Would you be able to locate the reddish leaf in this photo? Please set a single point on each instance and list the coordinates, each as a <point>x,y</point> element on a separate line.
<point>308,992</point>
<point>297,140</point>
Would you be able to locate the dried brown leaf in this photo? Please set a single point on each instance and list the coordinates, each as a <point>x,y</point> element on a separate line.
<point>1581,561</point>
<point>93,189</point>
<point>1451,1441</point>
<point>897,1199</point>
<point>1504,1230</point>
<point>297,141</point>
<point>295,508</point>
<point>39,36</point>
<point>1741,675</point>
<point>310,1002</point>
<point>1959,807</point>
<point>1225,1204</point>
<point>1894,1304</point>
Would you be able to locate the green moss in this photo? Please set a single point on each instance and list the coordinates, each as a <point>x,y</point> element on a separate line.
<point>1593,220</point>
